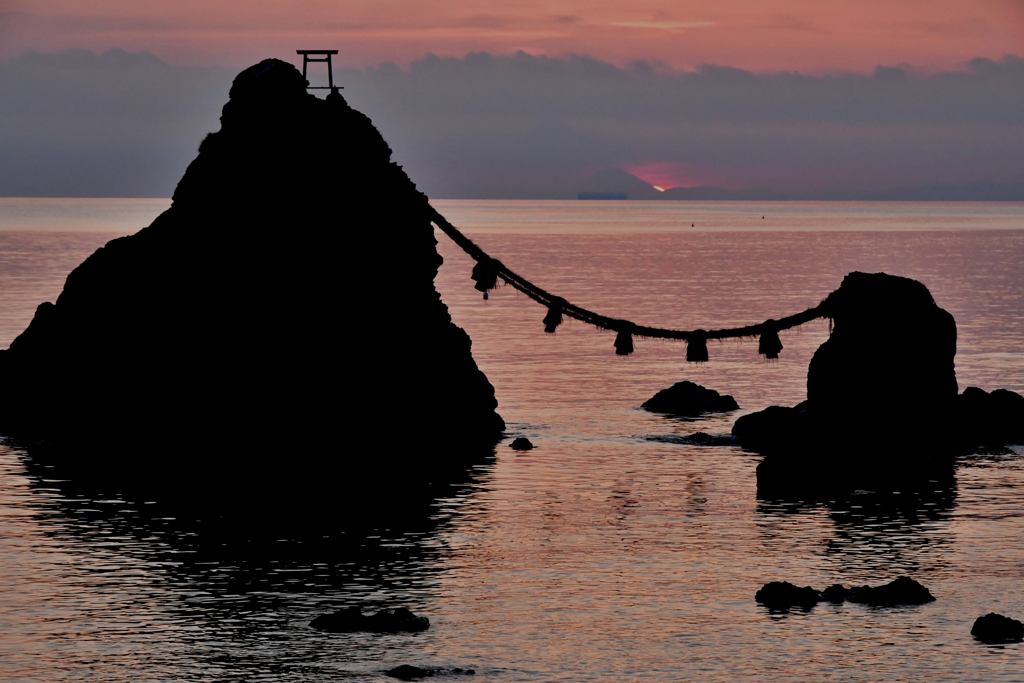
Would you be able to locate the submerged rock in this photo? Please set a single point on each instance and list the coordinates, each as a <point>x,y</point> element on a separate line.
<point>995,629</point>
<point>783,595</point>
<point>705,439</point>
<point>409,672</point>
<point>286,296</point>
<point>695,439</point>
<point>521,443</point>
<point>687,399</point>
<point>351,619</point>
<point>347,620</point>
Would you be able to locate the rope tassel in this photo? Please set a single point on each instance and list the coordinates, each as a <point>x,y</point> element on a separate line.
<point>554,317</point>
<point>769,345</point>
<point>624,342</point>
<point>485,274</point>
<point>697,348</point>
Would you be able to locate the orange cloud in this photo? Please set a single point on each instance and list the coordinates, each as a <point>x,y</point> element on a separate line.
<point>759,35</point>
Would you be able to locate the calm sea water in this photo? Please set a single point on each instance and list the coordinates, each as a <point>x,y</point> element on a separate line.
<point>612,552</point>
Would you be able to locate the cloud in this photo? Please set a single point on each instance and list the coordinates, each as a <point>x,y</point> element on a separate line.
<point>664,24</point>
<point>115,123</point>
<point>482,125</point>
<point>949,29</point>
<point>791,22</point>
<point>486,125</point>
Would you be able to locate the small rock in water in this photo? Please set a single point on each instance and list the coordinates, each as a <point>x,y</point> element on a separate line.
<point>350,619</point>
<point>995,628</point>
<point>901,591</point>
<point>783,595</point>
<point>521,443</point>
<point>408,672</point>
<point>687,399</point>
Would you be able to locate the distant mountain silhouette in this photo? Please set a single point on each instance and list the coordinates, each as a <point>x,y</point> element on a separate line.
<point>617,181</point>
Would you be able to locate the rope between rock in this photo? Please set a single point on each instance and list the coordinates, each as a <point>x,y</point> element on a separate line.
<point>571,310</point>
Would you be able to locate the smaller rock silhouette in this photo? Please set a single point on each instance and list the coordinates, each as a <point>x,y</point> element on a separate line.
<point>904,590</point>
<point>782,595</point>
<point>687,399</point>
<point>521,443</point>
<point>995,629</point>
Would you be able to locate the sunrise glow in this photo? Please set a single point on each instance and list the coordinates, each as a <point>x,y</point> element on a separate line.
<point>663,175</point>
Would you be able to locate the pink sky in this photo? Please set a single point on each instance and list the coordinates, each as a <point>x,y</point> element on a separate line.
<point>762,35</point>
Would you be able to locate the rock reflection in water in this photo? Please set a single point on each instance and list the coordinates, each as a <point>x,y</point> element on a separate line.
<point>229,577</point>
<point>875,534</point>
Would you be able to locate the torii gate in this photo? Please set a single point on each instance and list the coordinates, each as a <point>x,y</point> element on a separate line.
<point>319,56</point>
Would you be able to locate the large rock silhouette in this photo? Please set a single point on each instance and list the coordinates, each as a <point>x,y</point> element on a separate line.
<point>283,306</point>
<point>888,364</point>
<point>882,403</point>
